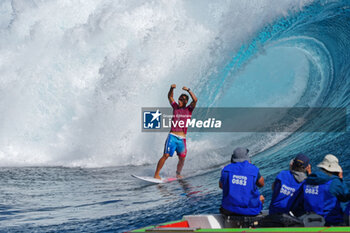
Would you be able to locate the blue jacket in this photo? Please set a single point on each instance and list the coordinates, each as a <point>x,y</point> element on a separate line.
<point>240,193</point>
<point>286,193</point>
<point>347,210</point>
<point>323,194</point>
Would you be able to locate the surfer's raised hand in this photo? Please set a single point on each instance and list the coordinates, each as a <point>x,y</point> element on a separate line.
<point>185,88</point>
<point>171,94</point>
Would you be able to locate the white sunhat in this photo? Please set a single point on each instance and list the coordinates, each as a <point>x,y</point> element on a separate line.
<point>330,163</point>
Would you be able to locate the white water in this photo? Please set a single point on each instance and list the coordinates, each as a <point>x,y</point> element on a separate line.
<point>75,74</point>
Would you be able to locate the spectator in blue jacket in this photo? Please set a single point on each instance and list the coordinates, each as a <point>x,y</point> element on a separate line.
<point>240,181</point>
<point>288,186</point>
<point>324,190</point>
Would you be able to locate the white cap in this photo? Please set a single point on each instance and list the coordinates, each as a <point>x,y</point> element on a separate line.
<point>330,163</point>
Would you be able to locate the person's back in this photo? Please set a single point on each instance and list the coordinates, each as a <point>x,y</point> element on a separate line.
<point>239,183</point>
<point>287,187</point>
<point>323,191</point>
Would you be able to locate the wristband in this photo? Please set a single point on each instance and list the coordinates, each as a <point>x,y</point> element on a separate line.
<point>188,89</point>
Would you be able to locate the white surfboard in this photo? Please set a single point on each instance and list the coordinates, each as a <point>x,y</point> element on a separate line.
<point>154,180</point>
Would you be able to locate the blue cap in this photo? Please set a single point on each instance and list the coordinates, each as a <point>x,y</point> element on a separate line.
<point>302,160</point>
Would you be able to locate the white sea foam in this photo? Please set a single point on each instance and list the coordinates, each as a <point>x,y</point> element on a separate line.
<point>75,74</point>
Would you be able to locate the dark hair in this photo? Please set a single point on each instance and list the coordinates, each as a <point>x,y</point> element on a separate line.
<point>186,96</point>
<point>296,166</point>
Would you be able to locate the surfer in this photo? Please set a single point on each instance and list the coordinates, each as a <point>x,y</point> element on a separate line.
<point>176,140</point>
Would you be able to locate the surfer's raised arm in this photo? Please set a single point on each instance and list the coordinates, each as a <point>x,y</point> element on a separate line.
<point>171,93</point>
<point>193,96</point>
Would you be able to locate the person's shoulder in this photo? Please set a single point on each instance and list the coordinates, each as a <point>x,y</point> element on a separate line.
<point>338,189</point>
<point>225,169</point>
<point>252,166</point>
<point>336,181</point>
<point>286,172</point>
<point>174,105</point>
<point>283,173</point>
<point>190,108</point>
<point>227,166</point>
<point>312,176</point>
<point>317,178</point>
<point>317,174</point>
